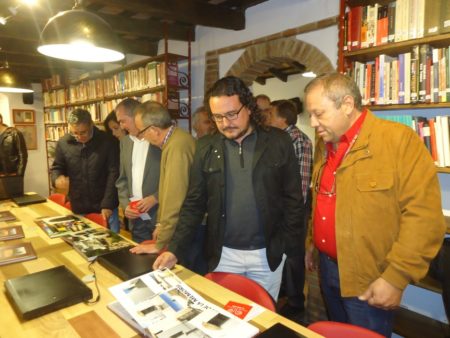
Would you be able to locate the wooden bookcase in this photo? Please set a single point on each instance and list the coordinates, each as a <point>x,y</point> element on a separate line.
<point>164,78</point>
<point>347,57</point>
<point>406,322</point>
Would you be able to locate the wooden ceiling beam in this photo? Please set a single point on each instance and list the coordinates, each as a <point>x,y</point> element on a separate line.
<point>190,12</point>
<point>149,29</point>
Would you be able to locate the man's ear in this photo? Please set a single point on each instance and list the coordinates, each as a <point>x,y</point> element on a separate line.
<point>348,104</point>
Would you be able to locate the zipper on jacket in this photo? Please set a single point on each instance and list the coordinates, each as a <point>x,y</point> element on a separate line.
<point>241,155</point>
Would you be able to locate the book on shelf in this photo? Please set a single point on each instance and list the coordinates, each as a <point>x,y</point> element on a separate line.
<point>58,226</point>
<point>11,232</point>
<point>6,216</point>
<point>14,253</point>
<point>159,302</point>
<point>94,242</point>
<point>445,16</point>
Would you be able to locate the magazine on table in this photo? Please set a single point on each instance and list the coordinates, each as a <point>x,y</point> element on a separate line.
<point>11,232</point>
<point>6,216</point>
<point>94,242</point>
<point>58,226</point>
<point>164,306</point>
<point>16,253</point>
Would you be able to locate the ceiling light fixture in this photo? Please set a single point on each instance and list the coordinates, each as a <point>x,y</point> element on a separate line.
<point>11,82</point>
<point>79,35</point>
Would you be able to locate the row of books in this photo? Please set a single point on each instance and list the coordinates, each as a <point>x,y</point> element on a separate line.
<point>422,75</point>
<point>55,115</point>
<point>152,75</point>
<point>55,97</point>
<point>52,82</point>
<point>434,133</point>
<point>374,25</point>
<point>55,132</point>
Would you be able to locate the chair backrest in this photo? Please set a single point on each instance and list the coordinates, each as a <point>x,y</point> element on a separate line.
<point>58,198</point>
<point>97,218</point>
<point>243,286</point>
<point>331,329</point>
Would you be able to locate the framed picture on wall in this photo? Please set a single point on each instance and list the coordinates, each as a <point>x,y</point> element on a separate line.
<point>23,116</point>
<point>29,134</point>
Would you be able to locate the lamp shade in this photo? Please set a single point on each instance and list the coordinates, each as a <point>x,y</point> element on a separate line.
<point>79,35</point>
<point>13,83</point>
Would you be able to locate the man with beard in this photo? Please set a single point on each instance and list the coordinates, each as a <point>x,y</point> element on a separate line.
<point>246,178</point>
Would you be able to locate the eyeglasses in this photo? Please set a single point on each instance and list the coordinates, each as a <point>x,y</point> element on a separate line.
<point>141,132</point>
<point>332,191</point>
<point>229,116</point>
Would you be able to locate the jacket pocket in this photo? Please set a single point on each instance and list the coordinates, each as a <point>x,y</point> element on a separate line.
<point>374,181</point>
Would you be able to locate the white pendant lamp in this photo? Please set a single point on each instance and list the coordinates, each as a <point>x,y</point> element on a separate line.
<point>11,82</point>
<point>79,35</point>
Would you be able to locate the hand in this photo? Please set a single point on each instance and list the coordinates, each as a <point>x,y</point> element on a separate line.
<point>106,213</point>
<point>310,263</point>
<point>382,294</point>
<point>147,203</point>
<point>131,213</point>
<point>144,248</point>
<point>62,182</point>
<point>165,260</point>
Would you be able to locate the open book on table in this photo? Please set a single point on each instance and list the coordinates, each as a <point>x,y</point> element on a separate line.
<point>164,306</point>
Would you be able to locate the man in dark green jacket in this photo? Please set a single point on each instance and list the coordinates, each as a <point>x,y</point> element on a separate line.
<point>246,178</point>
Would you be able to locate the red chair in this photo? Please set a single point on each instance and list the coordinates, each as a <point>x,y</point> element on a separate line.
<point>97,218</point>
<point>243,286</point>
<point>330,329</point>
<point>58,198</point>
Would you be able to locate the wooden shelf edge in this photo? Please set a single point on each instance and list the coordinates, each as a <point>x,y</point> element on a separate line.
<point>389,47</point>
<point>439,105</point>
<point>443,170</point>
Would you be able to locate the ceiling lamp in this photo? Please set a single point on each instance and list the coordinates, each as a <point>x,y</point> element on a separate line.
<point>11,82</point>
<point>79,35</point>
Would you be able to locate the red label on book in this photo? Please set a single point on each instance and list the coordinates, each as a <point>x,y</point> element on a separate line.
<point>238,309</point>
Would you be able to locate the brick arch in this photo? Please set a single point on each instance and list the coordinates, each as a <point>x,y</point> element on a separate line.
<point>257,59</point>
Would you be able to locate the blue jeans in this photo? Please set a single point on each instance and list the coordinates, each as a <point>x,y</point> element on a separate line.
<point>350,309</point>
<point>252,264</point>
<point>114,222</point>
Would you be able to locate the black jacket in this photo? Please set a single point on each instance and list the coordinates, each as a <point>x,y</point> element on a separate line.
<point>13,152</point>
<point>276,182</point>
<point>92,168</point>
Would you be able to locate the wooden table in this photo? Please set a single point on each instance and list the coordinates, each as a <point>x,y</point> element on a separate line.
<point>83,320</point>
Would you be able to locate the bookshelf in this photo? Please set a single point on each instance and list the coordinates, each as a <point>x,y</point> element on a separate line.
<point>398,53</point>
<point>164,78</point>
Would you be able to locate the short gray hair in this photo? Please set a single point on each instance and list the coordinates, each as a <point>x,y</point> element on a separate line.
<point>154,114</point>
<point>198,111</point>
<point>79,116</point>
<point>129,105</point>
<point>336,86</point>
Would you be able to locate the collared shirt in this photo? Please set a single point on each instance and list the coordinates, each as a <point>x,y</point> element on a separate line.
<point>138,159</point>
<point>324,217</point>
<point>166,138</point>
<point>303,151</point>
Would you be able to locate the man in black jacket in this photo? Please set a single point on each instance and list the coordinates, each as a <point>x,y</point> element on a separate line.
<point>246,178</point>
<point>13,151</point>
<point>87,164</point>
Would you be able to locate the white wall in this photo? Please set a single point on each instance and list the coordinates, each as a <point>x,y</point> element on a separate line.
<point>36,177</point>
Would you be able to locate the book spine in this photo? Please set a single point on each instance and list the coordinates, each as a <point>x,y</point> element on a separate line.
<point>432,17</point>
<point>391,21</point>
<point>414,74</point>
